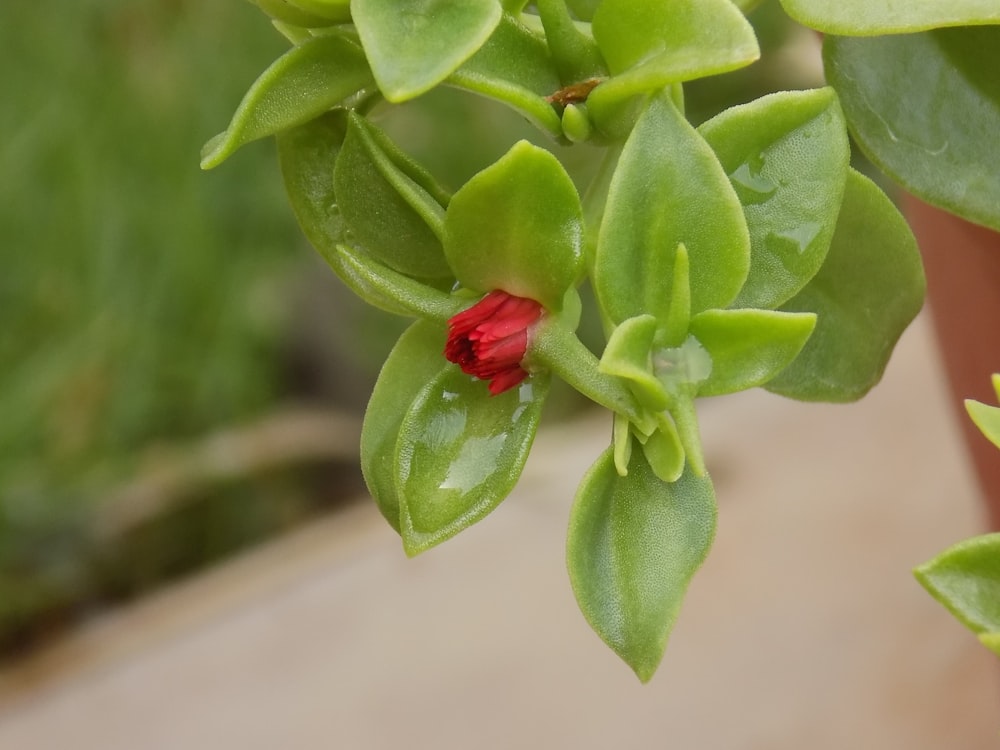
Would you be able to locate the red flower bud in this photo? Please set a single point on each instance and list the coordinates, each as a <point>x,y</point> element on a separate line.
<point>489,339</point>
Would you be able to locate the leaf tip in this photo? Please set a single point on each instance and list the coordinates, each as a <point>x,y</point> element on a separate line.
<point>215,151</point>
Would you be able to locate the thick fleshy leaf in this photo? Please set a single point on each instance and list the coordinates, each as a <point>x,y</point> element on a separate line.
<point>413,45</point>
<point>300,85</point>
<point>925,108</point>
<point>307,155</point>
<point>966,579</point>
<point>517,226</point>
<point>415,360</point>
<point>391,205</point>
<point>514,67</point>
<point>583,9</point>
<point>634,544</point>
<point>986,418</point>
<point>664,451</point>
<point>868,290</point>
<point>876,17</point>
<point>748,347</point>
<point>628,356</point>
<point>787,156</point>
<point>669,189</point>
<point>389,290</point>
<point>649,44</point>
<point>460,453</point>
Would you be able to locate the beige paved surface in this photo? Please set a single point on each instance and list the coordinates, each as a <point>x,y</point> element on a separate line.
<point>804,629</point>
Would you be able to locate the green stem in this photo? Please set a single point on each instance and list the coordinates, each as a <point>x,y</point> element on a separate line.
<point>559,349</point>
<point>575,54</point>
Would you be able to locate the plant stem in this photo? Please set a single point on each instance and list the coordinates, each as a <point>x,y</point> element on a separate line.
<point>559,349</point>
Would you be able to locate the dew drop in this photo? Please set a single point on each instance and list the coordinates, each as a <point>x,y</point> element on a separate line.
<point>750,184</point>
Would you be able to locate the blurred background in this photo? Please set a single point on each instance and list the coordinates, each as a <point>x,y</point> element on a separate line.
<point>181,378</point>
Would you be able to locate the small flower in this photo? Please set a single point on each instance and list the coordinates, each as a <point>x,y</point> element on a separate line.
<point>489,339</point>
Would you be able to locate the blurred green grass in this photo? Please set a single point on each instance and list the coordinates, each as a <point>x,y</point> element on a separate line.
<point>141,299</point>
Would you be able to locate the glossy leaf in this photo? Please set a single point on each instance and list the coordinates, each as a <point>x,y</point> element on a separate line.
<point>649,44</point>
<point>307,155</point>
<point>414,361</point>
<point>875,17</point>
<point>868,290</point>
<point>389,290</point>
<point>668,189</point>
<point>925,108</point>
<point>517,226</point>
<point>391,205</point>
<point>634,544</point>
<point>413,45</point>
<point>300,85</point>
<point>966,579</point>
<point>748,347</point>
<point>514,67</point>
<point>460,453</point>
<point>787,156</point>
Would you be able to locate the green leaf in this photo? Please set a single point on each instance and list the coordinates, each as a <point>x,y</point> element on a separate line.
<point>627,356</point>
<point>300,85</point>
<point>634,544</point>
<point>389,290</point>
<point>517,226</point>
<point>514,67</point>
<point>868,290</point>
<point>664,451</point>
<point>986,418</point>
<point>307,155</point>
<point>413,45</point>
<point>787,156</point>
<point>876,17</point>
<point>392,206</point>
<point>583,9</point>
<point>966,579</point>
<point>925,108</point>
<point>416,359</point>
<point>668,189</point>
<point>649,44</point>
<point>460,453</point>
<point>335,10</point>
<point>748,347</point>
